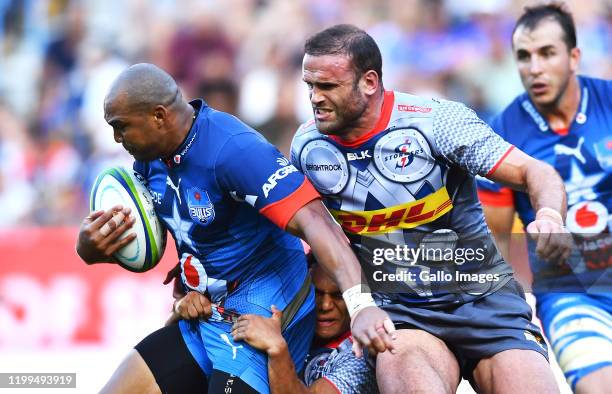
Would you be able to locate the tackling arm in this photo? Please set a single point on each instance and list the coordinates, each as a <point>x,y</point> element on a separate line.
<point>283,378</point>
<point>265,334</point>
<point>370,325</point>
<point>315,225</point>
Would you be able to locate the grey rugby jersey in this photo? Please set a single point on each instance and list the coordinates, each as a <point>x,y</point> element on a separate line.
<point>336,363</point>
<point>409,185</point>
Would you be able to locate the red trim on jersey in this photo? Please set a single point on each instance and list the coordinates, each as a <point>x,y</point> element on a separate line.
<point>501,159</point>
<point>332,383</point>
<point>334,343</point>
<point>562,131</point>
<point>383,121</point>
<point>502,198</point>
<point>281,212</point>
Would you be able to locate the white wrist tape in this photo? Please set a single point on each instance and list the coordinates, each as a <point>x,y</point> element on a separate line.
<point>355,300</point>
<point>549,212</point>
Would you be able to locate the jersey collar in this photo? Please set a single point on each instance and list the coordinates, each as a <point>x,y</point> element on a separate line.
<point>539,120</point>
<point>334,343</point>
<point>179,155</point>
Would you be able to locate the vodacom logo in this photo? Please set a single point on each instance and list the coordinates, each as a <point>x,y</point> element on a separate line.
<point>587,218</point>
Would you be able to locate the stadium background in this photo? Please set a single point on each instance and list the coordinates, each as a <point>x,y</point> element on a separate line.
<point>58,57</point>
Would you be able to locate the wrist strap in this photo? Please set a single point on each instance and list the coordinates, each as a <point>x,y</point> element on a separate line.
<point>356,300</point>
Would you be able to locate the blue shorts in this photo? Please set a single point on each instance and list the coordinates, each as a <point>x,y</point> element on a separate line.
<point>213,348</point>
<point>478,329</point>
<point>579,329</point>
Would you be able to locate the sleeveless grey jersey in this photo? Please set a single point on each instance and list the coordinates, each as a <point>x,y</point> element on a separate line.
<point>405,195</point>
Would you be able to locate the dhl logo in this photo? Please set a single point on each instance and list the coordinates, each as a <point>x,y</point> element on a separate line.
<point>404,216</point>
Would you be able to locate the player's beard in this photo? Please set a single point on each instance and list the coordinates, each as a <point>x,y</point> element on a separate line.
<point>347,114</point>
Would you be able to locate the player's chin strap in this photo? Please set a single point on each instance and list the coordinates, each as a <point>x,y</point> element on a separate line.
<point>294,306</point>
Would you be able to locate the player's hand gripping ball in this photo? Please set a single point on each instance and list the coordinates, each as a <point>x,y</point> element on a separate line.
<point>123,186</point>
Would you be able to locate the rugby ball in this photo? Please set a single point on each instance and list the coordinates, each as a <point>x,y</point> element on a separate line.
<point>120,185</point>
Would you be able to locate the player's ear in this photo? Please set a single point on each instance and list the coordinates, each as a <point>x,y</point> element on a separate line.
<point>160,115</point>
<point>369,82</point>
<point>574,59</point>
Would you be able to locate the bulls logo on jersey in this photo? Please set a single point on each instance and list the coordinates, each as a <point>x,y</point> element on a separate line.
<point>201,208</point>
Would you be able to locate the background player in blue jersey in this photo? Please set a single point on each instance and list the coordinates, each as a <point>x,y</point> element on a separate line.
<point>226,195</point>
<point>565,120</point>
<point>331,366</point>
<point>394,168</point>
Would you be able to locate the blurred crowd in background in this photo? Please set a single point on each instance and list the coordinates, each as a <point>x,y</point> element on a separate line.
<point>58,58</point>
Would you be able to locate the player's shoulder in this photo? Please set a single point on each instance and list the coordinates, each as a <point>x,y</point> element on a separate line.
<point>307,131</point>
<point>599,90</point>
<point>226,132</point>
<point>224,125</point>
<point>440,107</point>
<point>406,102</point>
<point>599,84</point>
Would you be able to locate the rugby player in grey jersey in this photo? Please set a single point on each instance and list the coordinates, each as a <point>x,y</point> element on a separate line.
<point>394,169</point>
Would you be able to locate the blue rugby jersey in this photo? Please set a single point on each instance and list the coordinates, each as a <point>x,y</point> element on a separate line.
<point>582,156</point>
<point>226,195</point>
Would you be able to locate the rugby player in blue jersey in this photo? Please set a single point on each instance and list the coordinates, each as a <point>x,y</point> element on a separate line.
<point>398,171</point>
<point>227,195</point>
<point>564,119</point>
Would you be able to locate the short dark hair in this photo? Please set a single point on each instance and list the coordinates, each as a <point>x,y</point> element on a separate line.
<point>556,11</point>
<point>351,41</point>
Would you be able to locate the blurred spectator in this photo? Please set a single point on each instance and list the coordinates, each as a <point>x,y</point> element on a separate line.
<point>17,193</point>
<point>221,94</point>
<point>199,52</point>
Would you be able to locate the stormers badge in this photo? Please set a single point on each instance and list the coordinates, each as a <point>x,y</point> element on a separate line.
<point>201,209</point>
<point>403,155</point>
